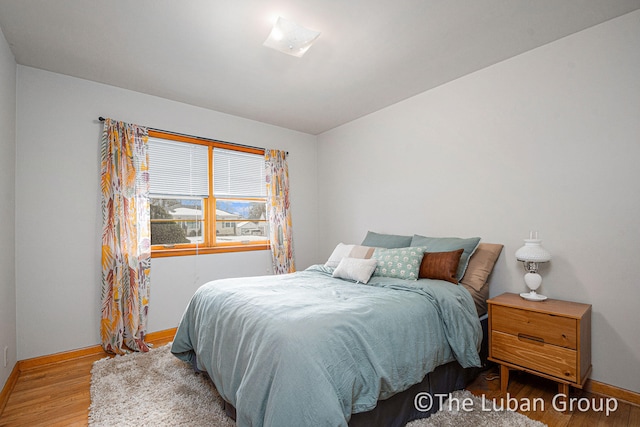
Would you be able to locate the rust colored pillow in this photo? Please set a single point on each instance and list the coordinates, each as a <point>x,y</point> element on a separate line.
<point>441,265</point>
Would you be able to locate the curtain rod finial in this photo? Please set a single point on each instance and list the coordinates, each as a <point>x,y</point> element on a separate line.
<point>102,119</point>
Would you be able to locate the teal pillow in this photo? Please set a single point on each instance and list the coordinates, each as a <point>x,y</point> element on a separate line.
<point>389,241</point>
<point>399,263</point>
<point>448,244</point>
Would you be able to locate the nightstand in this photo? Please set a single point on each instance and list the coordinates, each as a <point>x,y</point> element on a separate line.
<point>550,338</point>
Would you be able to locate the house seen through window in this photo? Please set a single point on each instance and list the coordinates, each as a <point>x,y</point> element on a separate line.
<point>206,196</point>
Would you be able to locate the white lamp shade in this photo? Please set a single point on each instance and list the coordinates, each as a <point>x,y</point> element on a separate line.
<point>532,251</point>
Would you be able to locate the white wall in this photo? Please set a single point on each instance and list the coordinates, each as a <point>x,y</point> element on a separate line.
<point>58,206</point>
<point>7,209</point>
<point>547,141</point>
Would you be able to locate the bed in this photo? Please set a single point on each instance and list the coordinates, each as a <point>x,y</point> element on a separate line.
<point>319,348</point>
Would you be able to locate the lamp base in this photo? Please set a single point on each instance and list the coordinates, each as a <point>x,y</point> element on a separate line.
<point>533,296</point>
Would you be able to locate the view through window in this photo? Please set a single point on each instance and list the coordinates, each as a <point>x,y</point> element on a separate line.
<point>205,196</point>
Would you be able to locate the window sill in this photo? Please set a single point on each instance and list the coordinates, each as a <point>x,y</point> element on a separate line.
<point>161,253</point>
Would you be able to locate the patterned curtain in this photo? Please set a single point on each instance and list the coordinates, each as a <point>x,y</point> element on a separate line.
<point>278,211</point>
<point>126,250</point>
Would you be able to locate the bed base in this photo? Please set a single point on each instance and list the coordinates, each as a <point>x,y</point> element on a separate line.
<point>400,409</point>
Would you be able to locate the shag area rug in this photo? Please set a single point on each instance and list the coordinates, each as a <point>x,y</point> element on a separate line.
<point>152,389</point>
<point>156,389</point>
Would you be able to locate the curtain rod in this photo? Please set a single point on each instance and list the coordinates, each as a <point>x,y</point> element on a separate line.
<point>102,119</point>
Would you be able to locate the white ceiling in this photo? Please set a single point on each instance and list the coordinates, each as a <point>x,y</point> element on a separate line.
<point>209,53</point>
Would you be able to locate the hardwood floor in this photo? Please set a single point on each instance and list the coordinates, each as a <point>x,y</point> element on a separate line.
<point>59,395</point>
<point>529,389</point>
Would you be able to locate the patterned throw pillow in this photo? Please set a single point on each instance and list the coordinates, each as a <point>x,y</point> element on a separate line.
<point>399,263</point>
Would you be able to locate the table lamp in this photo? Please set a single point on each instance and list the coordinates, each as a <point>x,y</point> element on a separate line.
<point>532,254</point>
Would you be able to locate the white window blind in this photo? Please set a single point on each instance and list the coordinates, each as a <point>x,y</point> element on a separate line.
<point>178,169</point>
<point>238,174</point>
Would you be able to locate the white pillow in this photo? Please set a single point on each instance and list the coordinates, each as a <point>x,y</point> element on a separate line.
<point>348,251</point>
<point>357,269</point>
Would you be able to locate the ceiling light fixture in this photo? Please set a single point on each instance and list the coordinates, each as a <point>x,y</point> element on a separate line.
<point>290,38</point>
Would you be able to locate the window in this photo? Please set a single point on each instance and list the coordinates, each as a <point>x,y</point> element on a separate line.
<point>205,196</point>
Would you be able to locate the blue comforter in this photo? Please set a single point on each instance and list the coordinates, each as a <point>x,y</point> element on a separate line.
<point>307,349</point>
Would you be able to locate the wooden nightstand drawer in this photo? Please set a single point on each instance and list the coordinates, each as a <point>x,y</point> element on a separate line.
<point>553,360</point>
<point>544,327</point>
<point>550,338</point>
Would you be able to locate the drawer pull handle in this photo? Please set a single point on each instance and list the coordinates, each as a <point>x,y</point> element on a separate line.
<point>531,338</point>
